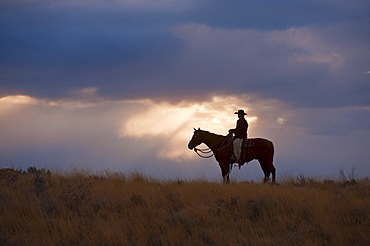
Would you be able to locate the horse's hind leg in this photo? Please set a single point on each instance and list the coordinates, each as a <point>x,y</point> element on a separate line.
<point>267,168</point>
<point>273,173</point>
<point>272,169</point>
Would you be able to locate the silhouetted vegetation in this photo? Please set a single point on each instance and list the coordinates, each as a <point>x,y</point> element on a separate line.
<point>38,207</point>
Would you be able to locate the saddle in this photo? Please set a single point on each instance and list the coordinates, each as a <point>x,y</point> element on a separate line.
<point>245,149</point>
<point>248,142</point>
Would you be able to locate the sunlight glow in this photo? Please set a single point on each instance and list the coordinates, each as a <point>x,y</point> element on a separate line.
<point>10,103</point>
<point>162,126</point>
<point>158,119</point>
<point>175,122</point>
<point>18,99</point>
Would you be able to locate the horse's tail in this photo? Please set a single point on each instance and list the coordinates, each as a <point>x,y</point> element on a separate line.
<point>265,157</point>
<point>272,151</point>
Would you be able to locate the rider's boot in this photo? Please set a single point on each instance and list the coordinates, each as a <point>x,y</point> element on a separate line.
<point>240,163</point>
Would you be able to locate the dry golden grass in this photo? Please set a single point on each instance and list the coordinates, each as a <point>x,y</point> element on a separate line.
<point>77,208</point>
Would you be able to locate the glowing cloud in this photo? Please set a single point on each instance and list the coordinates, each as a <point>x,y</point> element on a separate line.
<point>125,134</point>
<point>174,122</point>
<point>18,99</point>
<point>46,122</point>
<point>11,103</point>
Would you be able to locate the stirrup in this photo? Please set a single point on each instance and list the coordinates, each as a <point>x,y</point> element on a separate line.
<point>240,164</point>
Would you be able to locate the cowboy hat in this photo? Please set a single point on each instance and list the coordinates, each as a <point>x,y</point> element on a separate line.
<point>240,111</point>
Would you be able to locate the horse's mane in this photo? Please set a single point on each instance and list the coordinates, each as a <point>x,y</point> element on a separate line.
<point>219,135</point>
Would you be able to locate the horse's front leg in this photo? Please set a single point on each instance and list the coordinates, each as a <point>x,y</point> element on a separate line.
<point>226,178</point>
<point>225,170</point>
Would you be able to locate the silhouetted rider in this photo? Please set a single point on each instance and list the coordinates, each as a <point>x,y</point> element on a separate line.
<point>241,125</point>
<point>240,132</point>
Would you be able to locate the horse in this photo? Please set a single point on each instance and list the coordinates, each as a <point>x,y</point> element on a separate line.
<point>262,150</point>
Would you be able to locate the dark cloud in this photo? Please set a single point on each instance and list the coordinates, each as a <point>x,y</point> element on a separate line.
<point>50,49</point>
<point>68,38</point>
<point>276,15</point>
<point>44,46</point>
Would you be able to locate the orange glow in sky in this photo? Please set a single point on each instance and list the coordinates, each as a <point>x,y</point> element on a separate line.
<point>175,122</point>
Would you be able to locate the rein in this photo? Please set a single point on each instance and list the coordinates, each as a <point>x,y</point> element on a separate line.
<point>204,151</point>
<point>209,150</point>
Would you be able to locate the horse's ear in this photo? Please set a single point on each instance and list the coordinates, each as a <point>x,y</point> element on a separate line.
<point>198,128</point>
<point>194,129</point>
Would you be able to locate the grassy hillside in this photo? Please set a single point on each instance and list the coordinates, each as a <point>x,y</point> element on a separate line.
<point>77,208</point>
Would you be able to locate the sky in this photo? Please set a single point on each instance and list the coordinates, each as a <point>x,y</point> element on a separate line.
<point>119,85</point>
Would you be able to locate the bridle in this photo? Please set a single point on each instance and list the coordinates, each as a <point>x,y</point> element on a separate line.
<point>208,150</point>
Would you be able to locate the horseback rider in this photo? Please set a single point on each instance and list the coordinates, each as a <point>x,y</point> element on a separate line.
<point>240,132</point>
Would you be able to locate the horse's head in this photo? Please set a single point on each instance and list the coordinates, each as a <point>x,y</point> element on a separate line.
<point>196,139</point>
